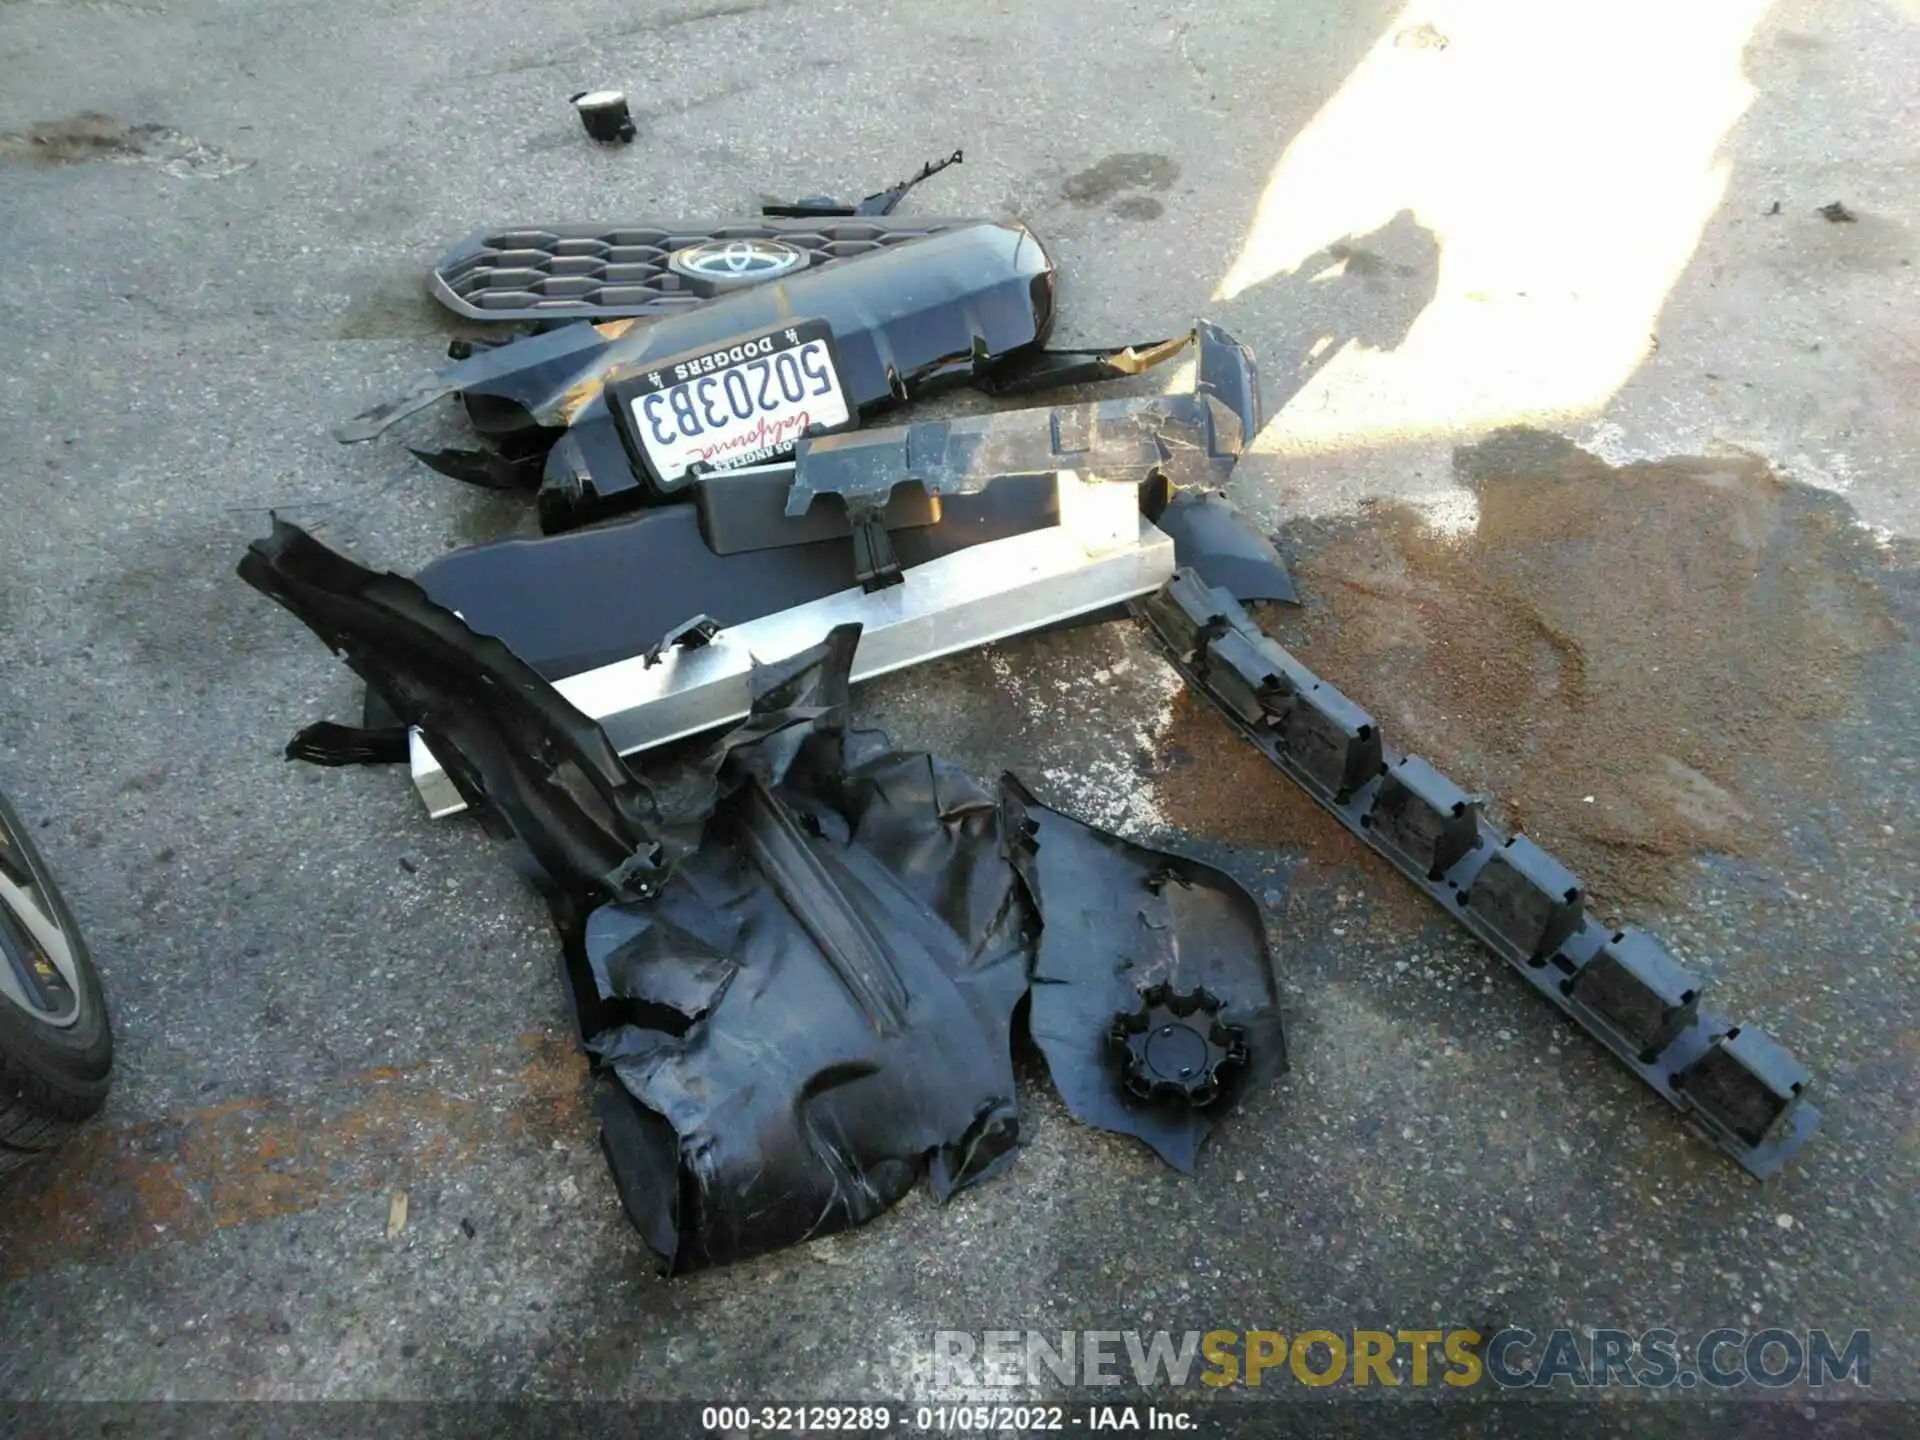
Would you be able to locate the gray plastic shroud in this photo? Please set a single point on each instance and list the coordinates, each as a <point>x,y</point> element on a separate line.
<point>1737,1086</point>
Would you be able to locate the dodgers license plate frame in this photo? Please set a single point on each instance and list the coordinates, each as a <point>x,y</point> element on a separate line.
<point>684,416</point>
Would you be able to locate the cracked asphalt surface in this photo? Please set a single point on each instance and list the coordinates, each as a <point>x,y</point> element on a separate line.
<point>322,998</point>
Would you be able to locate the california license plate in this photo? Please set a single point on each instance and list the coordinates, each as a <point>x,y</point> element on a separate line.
<point>743,404</point>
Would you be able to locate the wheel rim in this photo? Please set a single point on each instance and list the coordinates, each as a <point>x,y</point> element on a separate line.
<point>38,972</point>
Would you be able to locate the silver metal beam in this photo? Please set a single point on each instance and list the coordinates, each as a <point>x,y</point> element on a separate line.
<point>1102,553</point>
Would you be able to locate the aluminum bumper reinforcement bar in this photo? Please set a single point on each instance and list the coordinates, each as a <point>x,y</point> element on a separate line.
<point>1102,553</point>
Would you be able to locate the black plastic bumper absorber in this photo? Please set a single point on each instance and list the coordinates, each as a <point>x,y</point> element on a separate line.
<point>1741,1089</point>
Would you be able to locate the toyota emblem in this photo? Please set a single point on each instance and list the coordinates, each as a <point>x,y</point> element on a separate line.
<point>738,261</point>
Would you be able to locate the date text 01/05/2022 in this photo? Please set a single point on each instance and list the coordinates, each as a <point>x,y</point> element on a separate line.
<point>940,1419</point>
<point>735,406</point>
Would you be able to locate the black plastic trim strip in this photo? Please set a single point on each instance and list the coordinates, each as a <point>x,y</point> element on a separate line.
<point>1735,1084</point>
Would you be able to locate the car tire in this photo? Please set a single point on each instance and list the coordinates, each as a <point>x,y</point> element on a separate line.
<point>52,1075</point>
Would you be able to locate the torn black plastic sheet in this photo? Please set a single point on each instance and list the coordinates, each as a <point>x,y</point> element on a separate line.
<point>816,995</point>
<point>547,770</point>
<point>1738,1087</point>
<point>801,981</point>
<point>1121,920</point>
<point>829,983</point>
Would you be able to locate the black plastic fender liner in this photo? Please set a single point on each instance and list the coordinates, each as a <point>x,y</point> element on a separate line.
<point>1119,920</point>
<point>1738,1087</point>
<point>501,731</point>
<point>797,953</point>
<point>643,1156</point>
<point>822,992</point>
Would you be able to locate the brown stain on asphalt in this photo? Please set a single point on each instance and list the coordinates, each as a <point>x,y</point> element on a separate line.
<point>1103,180</point>
<point>79,139</point>
<point>91,137</point>
<point>1645,635</point>
<point>112,1191</point>
<point>1208,780</point>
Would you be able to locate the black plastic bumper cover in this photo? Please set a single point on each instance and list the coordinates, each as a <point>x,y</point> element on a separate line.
<point>906,319</point>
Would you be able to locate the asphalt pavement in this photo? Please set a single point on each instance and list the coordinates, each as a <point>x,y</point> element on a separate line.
<point>1584,224</point>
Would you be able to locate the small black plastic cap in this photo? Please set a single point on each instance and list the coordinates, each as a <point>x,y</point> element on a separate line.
<point>605,115</point>
<point>1175,1046</point>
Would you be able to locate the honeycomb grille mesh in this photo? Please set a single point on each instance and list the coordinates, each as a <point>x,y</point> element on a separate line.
<point>622,270</point>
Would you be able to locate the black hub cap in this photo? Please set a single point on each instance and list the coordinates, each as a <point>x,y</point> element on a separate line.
<point>1175,1046</point>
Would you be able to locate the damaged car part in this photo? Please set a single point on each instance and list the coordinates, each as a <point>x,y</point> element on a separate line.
<point>504,731</point>
<point>881,202</point>
<point>799,985</point>
<point>574,602</point>
<point>1179,441</point>
<point>618,271</point>
<point>578,601</point>
<point>1174,1045</point>
<point>588,598</point>
<point>1185,440</point>
<point>606,271</point>
<point>827,985</point>
<point>1100,554</point>
<point>1132,934</point>
<point>1624,988</point>
<point>750,337</point>
<point>901,313</point>
<point>842,998</point>
<point>902,321</point>
<point>818,1003</point>
<point>604,116</point>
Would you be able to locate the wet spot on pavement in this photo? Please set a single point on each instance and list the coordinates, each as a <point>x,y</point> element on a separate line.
<point>1113,176</point>
<point>1609,651</point>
